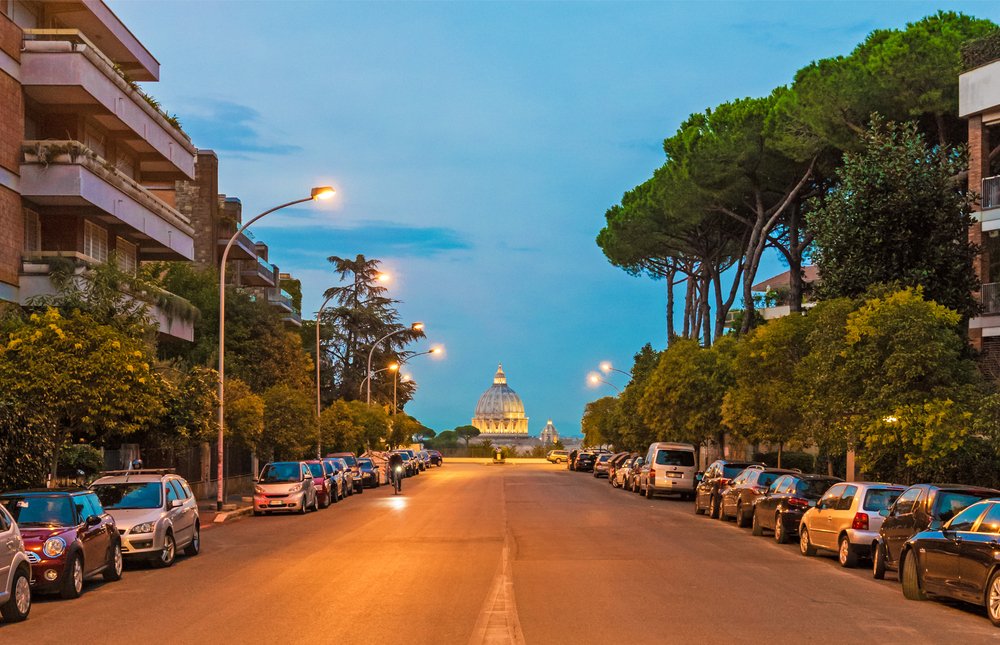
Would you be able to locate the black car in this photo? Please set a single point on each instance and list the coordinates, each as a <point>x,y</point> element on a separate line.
<point>789,497</point>
<point>585,462</point>
<point>918,508</point>
<point>719,473</point>
<point>958,560</point>
<point>436,458</point>
<point>369,473</point>
<point>739,497</point>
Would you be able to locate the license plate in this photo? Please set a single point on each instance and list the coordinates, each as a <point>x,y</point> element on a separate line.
<point>276,504</point>
<point>674,475</point>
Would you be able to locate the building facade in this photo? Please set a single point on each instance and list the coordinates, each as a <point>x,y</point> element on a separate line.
<point>549,435</point>
<point>84,151</point>
<point>500,412</point>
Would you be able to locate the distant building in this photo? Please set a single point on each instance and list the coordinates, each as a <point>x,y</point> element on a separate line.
<point>549,434</point>
<point>500,412</point>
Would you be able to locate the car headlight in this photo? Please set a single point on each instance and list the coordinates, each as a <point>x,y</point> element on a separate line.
<point>259,490</point>
<point>145,527</point>
<point>54,547</point>
<point>296,488</point>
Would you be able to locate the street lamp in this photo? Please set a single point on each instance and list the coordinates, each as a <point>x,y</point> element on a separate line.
<point>607,368</point>
<point>417,326</point>
<point>317,193</point>
<point>406,377</point>
<point>319,440</point>
<point>595,379</point>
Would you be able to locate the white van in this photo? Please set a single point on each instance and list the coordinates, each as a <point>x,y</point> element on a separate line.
<point>669,468</point>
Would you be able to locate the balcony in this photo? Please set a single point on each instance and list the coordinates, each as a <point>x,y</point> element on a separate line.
<point>259,273</point>
<point>67,173</point>
<point>242,249</point>
<point>293,318</point>
<point>280,299</point>
<point>173,315</point>
<point>61,68</point>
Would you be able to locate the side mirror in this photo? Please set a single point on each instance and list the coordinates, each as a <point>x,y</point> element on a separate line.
<point>176,503</point>
<point>884,512</point>
<point>698,476</point>
<point>93,520</point>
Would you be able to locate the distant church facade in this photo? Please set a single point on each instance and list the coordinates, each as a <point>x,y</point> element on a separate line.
<point>500,411</point>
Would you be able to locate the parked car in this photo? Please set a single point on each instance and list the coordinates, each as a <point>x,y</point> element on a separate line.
<point>342,482</point>
<point>557,456</point>
<point>436,457</point>
<point>323,472</point>
<point>15,572</point>
<point>571,460</point>
<point>155,512</point>
<point>410,467</point>
<point>284,486</point>
<point>425,458</point>
<point>846,520</point>
<point>620,476</point>
<point>919,508</point>
<point>708,492</point>
<point>739,497</point>
<point>352,462</point>
<point>614,464</point>
<point>369,473</point>
<point>790,496</point>
<point>668,468</point>
<point>957,560</point>
<point>415,463</point>
<point>632,478</point>
<point>585,462</point>
<point>601,464</point>
<point>67,537</point>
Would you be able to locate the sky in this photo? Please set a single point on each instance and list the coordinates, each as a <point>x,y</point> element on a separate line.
<point>475,147</point>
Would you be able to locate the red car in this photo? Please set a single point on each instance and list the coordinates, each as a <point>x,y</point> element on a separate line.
<point>67,536</point>
<point>322,473</point>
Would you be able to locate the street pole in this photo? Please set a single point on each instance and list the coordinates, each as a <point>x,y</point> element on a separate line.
<point>417,326</point>
<point>595,379</point>
<point>322,192</point>
<point>319,427</point>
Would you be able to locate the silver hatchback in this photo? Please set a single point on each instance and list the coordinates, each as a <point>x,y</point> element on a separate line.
<point>285,486</point>
<point>846,520</point>
<point>15,571</point>
<point>155,511</point>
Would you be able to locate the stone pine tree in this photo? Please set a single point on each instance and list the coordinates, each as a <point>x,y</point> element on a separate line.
<point>361,314</point>
<point>895,215</point>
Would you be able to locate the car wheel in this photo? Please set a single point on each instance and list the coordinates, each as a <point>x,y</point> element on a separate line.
<point>878,562</point>
<point>113,572</point>
<point>912,589</point>
<point>755,527</point>
<point>780,534</point>
<point>845,554</point>
<point>649,491</point>
<point>993,598</point>
<point>741,521</point>
<point>713,507</point>
<point>361,488</point>
<point>169,552</point>
<point>18,606</point>
<point>72,583</point>
<point>194,546</point>
<point>335,496</point>
<point>805,546</point>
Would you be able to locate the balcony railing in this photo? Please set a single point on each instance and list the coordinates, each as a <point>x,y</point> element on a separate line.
<point>991,192</point>
<point>259,274</point>
<point>280,299</point>
<point>989,295</point>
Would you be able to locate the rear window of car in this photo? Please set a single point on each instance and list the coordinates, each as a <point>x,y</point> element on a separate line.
<point>675,458</point>
<point>878,499</point>
<point>734,470</point>
<point>951,503</point>
<point>766,479</point>
<point>316,469</point>
<point>814,486</point>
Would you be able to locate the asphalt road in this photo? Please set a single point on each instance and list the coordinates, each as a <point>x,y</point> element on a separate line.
<point>497,554</point>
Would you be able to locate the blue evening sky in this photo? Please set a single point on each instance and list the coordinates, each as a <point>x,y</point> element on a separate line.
<point>475,148</point>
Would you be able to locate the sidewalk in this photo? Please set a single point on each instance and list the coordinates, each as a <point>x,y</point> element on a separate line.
<point>235,508</point>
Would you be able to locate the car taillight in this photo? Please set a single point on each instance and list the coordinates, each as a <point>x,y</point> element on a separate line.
<point>723,482</point>
<point>798,501</point>
<point>652,475</point>
<point>860,522</point>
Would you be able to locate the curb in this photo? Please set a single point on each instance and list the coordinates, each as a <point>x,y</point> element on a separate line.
<point>232,516</point>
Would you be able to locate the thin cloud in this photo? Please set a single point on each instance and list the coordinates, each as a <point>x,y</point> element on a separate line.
<point>230,127</point>
<point>374,239</point>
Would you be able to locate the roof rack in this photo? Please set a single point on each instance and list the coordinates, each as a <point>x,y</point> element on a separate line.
<point>140,471</point>
<point>754,467</point>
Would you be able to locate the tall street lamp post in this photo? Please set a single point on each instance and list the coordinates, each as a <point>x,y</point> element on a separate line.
<point>320,192</point>
<point>595,379</point>
<point>417,326</point>
<point>607,368</point>
<point>395,382</point>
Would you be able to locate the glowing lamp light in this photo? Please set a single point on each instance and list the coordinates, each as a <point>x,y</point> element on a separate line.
<point>606,367</point>
<point>417,326</point>
<point>384,277</point>
<point>323,192</point>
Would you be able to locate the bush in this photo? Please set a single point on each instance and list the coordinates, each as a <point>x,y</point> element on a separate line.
<point>78,457</point>
<point>791,460</point>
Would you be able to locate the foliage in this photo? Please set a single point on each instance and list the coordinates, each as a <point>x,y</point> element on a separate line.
<point>79,457</point>
<point>27,442</point>
<point>466,434</point>
<point>600,419</point>
<point>981,50</point>
<point>403,429</point>
<point>764,403</point>
<point>444,440</point>
<point>190,401</point>
<point>895,215</point>
<point>631,432</point>
<point>244,412</point>
<point>353,426</point>
<point>289,423</point>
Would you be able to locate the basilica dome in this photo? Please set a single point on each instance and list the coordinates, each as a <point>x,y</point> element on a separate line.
<point>500,410</point>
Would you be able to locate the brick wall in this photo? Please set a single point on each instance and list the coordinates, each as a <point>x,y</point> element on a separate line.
<point>11,235</point>
<point>10,38</point>
<point>11,133</point>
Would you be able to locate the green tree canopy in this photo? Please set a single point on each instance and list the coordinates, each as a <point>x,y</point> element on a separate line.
<point>600,420</point>
<point>289,423</point>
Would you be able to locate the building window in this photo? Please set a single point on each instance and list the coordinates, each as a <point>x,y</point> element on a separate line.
<point>95,241</point>
<point>32,231</point>
<point>125,253</point>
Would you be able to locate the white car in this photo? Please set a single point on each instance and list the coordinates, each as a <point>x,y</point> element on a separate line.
<point>15,571</point>
<point>155,511</point>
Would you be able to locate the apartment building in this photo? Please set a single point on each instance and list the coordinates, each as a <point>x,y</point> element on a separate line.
<point>979,104</point>
<point>83,151</point>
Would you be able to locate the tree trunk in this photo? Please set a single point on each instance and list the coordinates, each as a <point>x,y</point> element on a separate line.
<point>781,446</point>
<point>687,308</point>
<point>794,261</point>
<point>671,272</point>
<point>706,313</point>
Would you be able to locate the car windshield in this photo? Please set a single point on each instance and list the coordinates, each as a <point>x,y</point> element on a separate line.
<point>124,495</point>
<point>316,469</point>
<point>951,503</point>
<point>813,487</point>
<point>878,499</point>
<point>365,463</point>
<point>280,472</point>
<point>405,456</point>
<point>766,479</point>
<point>675,458</point>
<point>351,461</point>
<point>41,510</point>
